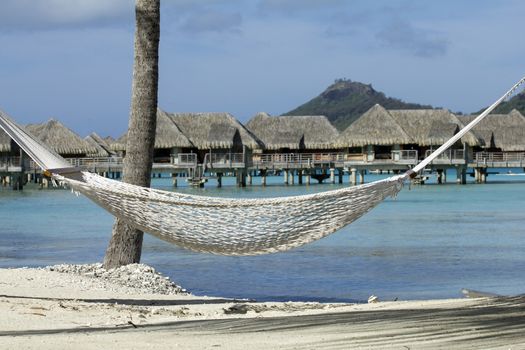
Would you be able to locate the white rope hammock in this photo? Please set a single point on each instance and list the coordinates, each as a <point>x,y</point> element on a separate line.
<point>227,226</point>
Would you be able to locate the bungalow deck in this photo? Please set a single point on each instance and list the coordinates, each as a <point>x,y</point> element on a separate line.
<point>300,166</point>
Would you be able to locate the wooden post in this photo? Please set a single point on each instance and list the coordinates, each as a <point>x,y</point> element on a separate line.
<point>461,175</point>
<point>263,177</point>
<point>353,176</point>
<point>340,173</point>
<point>440,176</point>
<point>286,176</point>
<point>241,178</point>
<point>300,176</point>
<point>308,177</point>
<point>249,178</point>
<point>291,177</point>
<point>483,175</point>
<point>17,182</point>
<point>332,175</point>
<point>444,175</point>
<point>361,176</point>
<point>219,180</point>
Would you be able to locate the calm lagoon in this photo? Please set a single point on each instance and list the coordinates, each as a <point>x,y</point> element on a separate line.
<point>429,242</point>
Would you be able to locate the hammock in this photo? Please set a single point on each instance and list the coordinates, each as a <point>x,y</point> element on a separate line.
<point>226,226</point>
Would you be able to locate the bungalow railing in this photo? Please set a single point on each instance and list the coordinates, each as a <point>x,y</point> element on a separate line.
<point>90,162</point>
<point>404,156</point>
<point>297,159</point>
<point>224,160</point>
<point>12,163</point>
<point>499,157</point>
<point>188,160</point>
<point>451,156</point>
<point>9,162</point>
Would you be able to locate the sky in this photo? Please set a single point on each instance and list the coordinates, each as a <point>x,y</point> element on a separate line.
<point>72,59</point>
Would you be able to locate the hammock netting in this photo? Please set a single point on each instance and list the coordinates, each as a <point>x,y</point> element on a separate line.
<point>227,226</point>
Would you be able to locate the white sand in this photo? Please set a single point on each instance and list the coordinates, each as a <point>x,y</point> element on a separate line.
<point>51,310</point>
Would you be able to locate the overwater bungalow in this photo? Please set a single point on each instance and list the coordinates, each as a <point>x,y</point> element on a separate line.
<point>12,162</point>
<point>374,135</point>
<point>299,134</point>
<point>297,143</point>
<point>430,128</point>
<point>500,132</point>
<point>10,153</point>
<point>8,147</point>
<point>219,139</point>
<point>103,148</point>
<point>61,139</point>
<point>169,141</point>
<point>502,143</point>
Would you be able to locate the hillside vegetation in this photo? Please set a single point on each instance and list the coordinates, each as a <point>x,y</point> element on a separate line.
<point>516,102</point>
<point>346,100</point>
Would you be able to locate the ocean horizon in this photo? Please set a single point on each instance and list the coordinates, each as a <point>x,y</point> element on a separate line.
<point>428,243</point>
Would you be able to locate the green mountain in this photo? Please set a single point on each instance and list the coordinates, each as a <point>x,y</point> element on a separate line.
<point>516,102</point>
<point>344,101</point>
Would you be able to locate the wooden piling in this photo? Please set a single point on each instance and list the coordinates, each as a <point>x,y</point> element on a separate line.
<point>263,177</point>
<point>219,180</point>
<point>440,176</point>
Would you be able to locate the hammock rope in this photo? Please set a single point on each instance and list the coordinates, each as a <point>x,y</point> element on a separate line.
<point>227,226</point>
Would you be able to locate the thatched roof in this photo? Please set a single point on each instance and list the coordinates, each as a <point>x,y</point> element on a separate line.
<point>213,130</point>
<point>167,135</point>
<point>375,127</point>
<point>294,132</point>
<point>61,139</point>
<point>504,131</point>
<point>103,148</point>
<point>430,127</point>
<point>5,142</point>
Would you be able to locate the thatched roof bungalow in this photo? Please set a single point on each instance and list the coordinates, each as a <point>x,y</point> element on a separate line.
<point>5,142</point>
<point>61,139</point>
<point>294,132</point>
<point>375,127</point>
<point>214,131</point>
<point>167,136</point>
<point>431,127</point>
<point>500,132</point>
<point>101,145</point>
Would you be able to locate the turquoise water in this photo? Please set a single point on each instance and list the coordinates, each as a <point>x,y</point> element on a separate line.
<point>430,242</point>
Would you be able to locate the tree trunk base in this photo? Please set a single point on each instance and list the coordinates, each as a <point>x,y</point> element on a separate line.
<point>125,246</point>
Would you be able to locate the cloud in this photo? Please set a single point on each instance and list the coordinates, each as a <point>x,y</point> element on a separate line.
<point>288,7</point>
<point>419,42</point>
<point>212,21</point>
<point>55,14</point>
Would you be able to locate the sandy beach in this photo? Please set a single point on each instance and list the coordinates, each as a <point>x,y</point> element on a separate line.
<point>52,310</point>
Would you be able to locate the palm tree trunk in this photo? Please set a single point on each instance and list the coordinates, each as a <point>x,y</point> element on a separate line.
<point>125,246</point>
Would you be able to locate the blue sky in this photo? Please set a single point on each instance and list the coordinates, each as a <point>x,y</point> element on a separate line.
<point>72,59</point>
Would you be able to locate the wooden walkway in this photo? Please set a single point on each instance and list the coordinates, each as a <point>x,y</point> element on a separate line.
<point>320,166</point>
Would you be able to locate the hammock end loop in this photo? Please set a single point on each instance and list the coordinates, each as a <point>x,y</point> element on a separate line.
<point>411,174</point>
